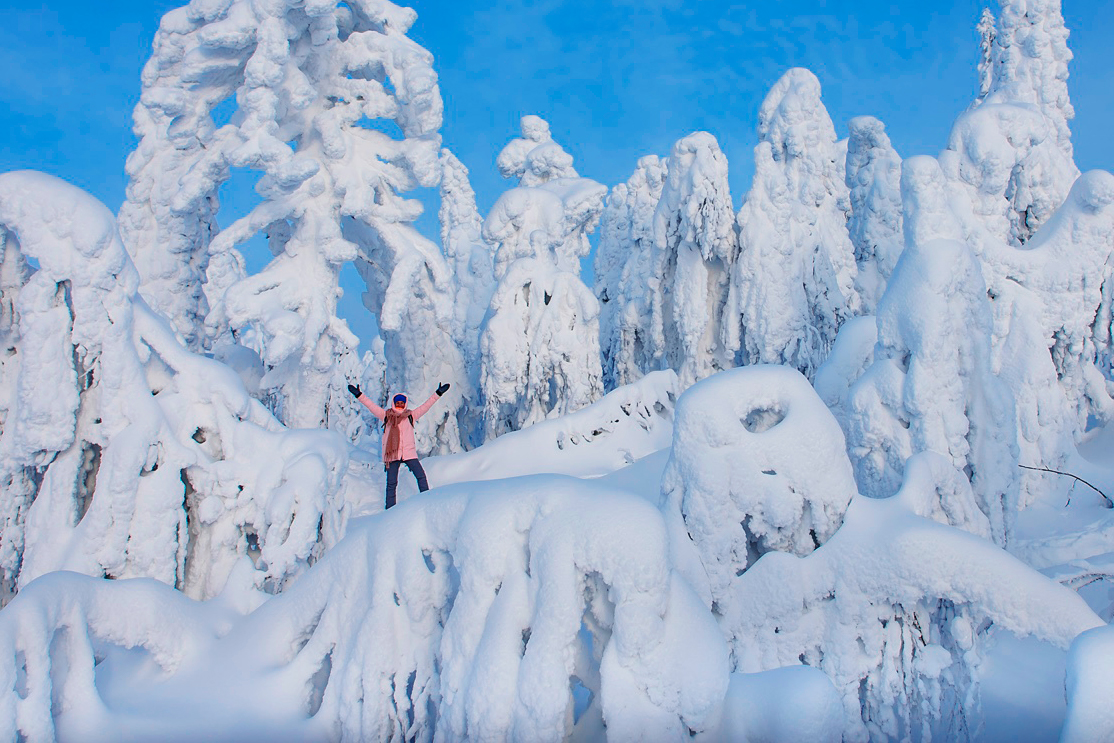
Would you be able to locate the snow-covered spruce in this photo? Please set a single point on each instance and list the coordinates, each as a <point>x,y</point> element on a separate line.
<point>622,268</point>
<point>693,245</point>
<point>793,282</point>
<point>304,76</point>
<point>131,455</point>
<point>471,260</point>
<point>540,344</point>
<point>1052,312</point>
<point>1010,154</point>
<point>742,481</point>
<point>176,170</point>
<point>874,179</point>
<point>537,609</point>
<point>931,386</point>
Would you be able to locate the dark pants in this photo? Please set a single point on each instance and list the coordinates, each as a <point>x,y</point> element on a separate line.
<point>392,477</point>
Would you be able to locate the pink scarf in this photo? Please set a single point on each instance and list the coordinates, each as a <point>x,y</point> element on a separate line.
<point>393,449</point>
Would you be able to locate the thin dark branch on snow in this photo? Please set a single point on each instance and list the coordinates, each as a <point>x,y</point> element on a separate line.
<point>1109,503</point>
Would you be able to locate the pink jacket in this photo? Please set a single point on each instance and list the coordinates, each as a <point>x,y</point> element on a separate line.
<point>405,429</point>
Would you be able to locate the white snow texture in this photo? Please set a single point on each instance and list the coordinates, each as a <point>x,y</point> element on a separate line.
<point>800,470</point>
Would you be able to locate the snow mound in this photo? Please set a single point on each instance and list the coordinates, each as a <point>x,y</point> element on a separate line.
<point>624,426</point>
<point>894,608</point>
<point>1089,687</point>
<point>785,705</point>
<point>531,609</point>
<point>741,479</point>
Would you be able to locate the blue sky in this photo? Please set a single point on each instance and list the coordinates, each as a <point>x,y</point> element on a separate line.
<point>616,80</point>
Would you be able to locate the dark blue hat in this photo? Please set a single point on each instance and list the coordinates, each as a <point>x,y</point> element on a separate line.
<point>400,398</point>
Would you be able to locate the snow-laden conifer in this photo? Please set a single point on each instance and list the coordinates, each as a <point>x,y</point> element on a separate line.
<point>470,258</point>
<point>694,243</point>
<point>175,172</point>
<point>540,344</point>
<point>931,386</point>
<point>793,282</point>
<point>874,179</point>
<point>1011,153</point>
<point>132,456</point>
<point>1052,326</point>
<point>622,268</point>
<point>338,111</point>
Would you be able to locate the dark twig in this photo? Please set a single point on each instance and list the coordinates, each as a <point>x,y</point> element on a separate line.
<point>1109,503</point>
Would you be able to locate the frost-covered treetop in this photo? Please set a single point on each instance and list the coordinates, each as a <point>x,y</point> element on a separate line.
<point>534,158</point>
<point>1029,62</point>
<point>873,175</point>
<point>550,213</point>
<point>695,207</point>
<point>794,121</point>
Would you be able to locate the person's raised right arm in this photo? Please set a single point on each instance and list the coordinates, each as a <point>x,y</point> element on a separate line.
<point>364,400</point>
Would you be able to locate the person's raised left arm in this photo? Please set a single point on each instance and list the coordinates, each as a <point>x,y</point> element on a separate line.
<point>425,406</point>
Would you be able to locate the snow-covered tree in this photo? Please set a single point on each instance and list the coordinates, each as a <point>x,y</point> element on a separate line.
<point>1052,325</point>
<point>931,386</point>
<point>318,88</point>
<point>345,415</point>
<point>1011,153</point>
<point>622,268</point>
<point>793,282</point>
<point>540,344</point>
<point>133,456</point>
<point>169,217</point>
<point>471,261</point>
<point>874,179</point>
<point>694,242</point>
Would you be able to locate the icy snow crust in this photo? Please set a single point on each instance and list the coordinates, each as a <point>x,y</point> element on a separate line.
<point>459,615</point>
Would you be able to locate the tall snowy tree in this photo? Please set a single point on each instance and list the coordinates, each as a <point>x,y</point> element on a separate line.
<point>1049,301</point>
<point>540,345</point>
<point>932,386</point>
<point>622,268</point>
<point>470,258</point>
<point>793,282</point>
<point>339,112</point>
<point>123,454</point>
<point>874,179</point>
<point>694,242</point>
<point>169,217</point>
<point>1011,153</point>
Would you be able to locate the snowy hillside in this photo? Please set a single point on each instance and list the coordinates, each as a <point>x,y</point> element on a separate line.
<point>832,464</point>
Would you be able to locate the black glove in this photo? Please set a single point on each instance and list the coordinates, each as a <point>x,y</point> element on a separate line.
<point>354,390</point>
<point>442,389</point>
